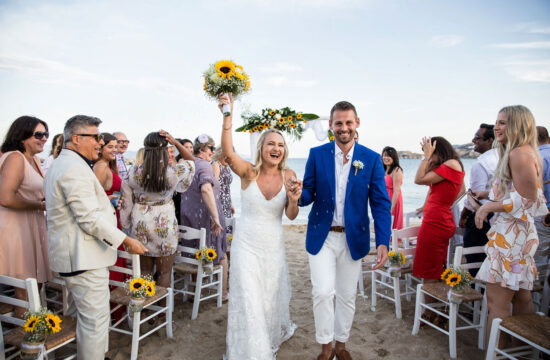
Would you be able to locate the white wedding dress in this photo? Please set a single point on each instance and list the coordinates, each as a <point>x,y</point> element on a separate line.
<point>259,284</point>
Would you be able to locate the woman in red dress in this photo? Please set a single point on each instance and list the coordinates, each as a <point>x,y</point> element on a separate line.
<point>394,180</point>
<point>443,172</point>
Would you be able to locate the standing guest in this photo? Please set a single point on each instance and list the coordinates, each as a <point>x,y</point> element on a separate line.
<point>171,155</point>
<point>122,146</point>
<point>139,156</point>
<point>82,234</point>
<point>394,180</point>
<point>441,170</point>
<point>148,211</point>
<point>188,144</point>
<point>517,198</point>
<point>23,239</point>
<point>200,204</point>
<point>57,145</point>
<point>542,223</point>
<point>225,177</point>
<point>480,179</point>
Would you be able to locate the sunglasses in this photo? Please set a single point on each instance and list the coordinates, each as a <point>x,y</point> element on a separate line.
<point>38,135</point>
<point>213,148</point>
<point>96,137</point>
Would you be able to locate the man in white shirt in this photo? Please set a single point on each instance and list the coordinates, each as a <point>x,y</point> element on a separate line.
<point>480,179</point>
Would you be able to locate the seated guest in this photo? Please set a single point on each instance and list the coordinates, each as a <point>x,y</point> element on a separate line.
<point>82,233</point>
<point>57,145</point>
<point>23,239</point>
<point>147,209</point>
<point>394,180</point>
<point>122,146</point>
<point>200,204</point>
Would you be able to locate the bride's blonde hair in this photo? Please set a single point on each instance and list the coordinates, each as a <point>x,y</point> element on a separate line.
<point>259,147</point>
<point>520,130</point>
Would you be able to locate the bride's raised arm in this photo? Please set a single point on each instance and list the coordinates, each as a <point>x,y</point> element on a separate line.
<point>239,166</point>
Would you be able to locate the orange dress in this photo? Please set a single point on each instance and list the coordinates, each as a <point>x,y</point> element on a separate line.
<point>23,236</point>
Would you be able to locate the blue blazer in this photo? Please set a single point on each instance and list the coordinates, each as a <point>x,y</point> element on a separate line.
<point>368,186</point>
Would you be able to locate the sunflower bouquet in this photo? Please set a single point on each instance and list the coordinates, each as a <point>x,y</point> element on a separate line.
<point>39,324</point>
<point>457,278</point>
<point>206,254</point>
<point>396,258</point>
<point>284,119</point>
<point>139,289</point>
<point>225,77</point>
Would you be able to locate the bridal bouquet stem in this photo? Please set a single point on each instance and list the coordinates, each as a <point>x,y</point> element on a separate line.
<point>284,119</point>
<point>224,77</point>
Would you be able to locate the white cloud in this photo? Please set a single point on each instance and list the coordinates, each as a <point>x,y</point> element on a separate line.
<point>533,28</point>
<point>524,45</point>
<point>530,70</point>
<point>280,67</point>
<point>445,41</point>
<point>279,81</point>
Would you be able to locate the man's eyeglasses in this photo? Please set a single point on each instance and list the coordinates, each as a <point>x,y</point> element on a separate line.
<point>38,135</point>
<point>123,142</point>
<point>96,137</point>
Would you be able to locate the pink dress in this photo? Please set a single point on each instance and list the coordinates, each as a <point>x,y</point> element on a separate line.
<point>397,212</point>
<point>23,236</point>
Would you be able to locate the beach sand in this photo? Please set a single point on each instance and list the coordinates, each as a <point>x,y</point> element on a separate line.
<point>375,335</point>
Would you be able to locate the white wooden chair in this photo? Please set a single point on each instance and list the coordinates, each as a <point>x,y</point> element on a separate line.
<point>207,277</point>
<point>151,307</point>
<point>382,278</point>
<point>531,329</point>
<point>440,292</point>
<point>55,292</point>
<point>14,337</point>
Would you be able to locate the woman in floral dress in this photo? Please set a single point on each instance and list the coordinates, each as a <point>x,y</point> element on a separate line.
<point>147,212</point>
<point>516,199</point>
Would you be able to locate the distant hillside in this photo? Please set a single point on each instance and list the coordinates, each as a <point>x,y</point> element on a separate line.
<point>465,151</point>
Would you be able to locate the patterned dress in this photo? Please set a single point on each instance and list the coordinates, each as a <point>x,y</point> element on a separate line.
<point>225,189</point>
<point>513,241</point>
<point>149,217</point>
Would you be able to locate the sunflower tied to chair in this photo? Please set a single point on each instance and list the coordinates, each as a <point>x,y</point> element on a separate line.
<point>457,278</point>
<point>396,258</point>
<point>37,326</point>
<point>139,288</point>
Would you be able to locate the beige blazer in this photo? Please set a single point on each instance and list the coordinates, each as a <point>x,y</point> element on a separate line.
<point>82,226</point>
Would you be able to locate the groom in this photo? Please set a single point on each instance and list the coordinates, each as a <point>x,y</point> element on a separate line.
<point>341,178</point>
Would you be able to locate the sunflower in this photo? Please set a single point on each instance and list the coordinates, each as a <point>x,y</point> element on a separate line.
<point>391,253</point>
<point>402,257</point>
<point>230,238</point>
<point>137,284</point>
<point>272,112</point>
<point>292,125</point>
<point>289,118</point>
<point>299,116</point>
<point>454,279</point>
<point>282,120</point>
<point>305,121</point>
<point>470,277</point>
<point>31,323</point>
<point>211,254</point>
<point>226,69</point>
<point>255,128</point>
<point>445,273</point>
<point>331,138</point>
<point>199,254</point>
<point>53,323</point>
<point>239,76</point>
<point>150,288</point>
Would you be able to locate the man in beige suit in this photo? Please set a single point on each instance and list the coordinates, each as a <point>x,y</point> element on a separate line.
<point>82,233</point>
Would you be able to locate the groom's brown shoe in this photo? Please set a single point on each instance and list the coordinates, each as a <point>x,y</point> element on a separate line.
<point>323,356</point>
<point>343,354</point>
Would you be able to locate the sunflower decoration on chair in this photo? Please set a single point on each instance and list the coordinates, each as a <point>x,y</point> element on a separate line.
<point>207,255</point>
<point>39,324</point>
<point>225,77</point>
<point>284,119</point>
<point>140,287</point>
<point>457,278</point>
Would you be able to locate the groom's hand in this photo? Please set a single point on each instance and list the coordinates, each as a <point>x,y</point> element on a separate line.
<point>381,257</point>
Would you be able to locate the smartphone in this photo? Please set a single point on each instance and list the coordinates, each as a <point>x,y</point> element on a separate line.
<point>114,201</point>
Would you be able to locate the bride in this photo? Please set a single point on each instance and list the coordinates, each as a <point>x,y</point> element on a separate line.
<point>258,317</point>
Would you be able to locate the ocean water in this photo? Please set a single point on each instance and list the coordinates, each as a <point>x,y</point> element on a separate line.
<point>413,195</point>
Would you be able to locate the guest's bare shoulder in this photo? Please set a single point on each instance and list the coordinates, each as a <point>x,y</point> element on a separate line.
<point>453,164</point>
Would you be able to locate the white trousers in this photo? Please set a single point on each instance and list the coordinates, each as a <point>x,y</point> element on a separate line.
<point>89,301</point>
<point>333,272</point>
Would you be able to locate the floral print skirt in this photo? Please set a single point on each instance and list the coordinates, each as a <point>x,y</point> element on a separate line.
<point>156,227</point>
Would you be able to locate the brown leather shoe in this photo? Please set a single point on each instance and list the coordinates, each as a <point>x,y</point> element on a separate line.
<point>322,356</point>
<point>343,354</point>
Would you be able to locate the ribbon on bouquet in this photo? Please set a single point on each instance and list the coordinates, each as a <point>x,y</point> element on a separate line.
<point>32,349</point>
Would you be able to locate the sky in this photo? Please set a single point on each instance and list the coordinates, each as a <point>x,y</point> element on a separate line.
<point>411,68</point>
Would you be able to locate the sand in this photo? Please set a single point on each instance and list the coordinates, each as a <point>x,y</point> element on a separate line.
<point>375,335</point>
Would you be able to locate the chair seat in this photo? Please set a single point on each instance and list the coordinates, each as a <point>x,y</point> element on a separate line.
<point>440,290</point>
<point>190,268</point>
<point>67,332</point>
<point>533,327</point>
<point>120,296</point>
<point>5,308</point>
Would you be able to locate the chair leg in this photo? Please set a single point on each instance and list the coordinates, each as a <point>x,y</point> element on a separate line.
<point>360,282</point>
<point>373,291</point>
<point>483,324</point>
<point>135,335</point>
<point>220,288</point>
<point>169,310</point>
<point>408,286</point>
<point>197,298</point>
<point>397,296</point>
<point>418,309</point>
<point>453,311</point>
<point>493,339</point>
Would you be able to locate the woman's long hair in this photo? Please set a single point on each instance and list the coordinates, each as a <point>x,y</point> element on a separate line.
<point>260,146</point>
<point>391,152</point>
<point>444,151</point>
<point>107,138</point>
<point>21,129</point>
<point>57,145</point>
<point>520,130</point>
<point>155,163</point>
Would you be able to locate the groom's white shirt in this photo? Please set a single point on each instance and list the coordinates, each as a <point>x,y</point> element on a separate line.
<point>341,177</point>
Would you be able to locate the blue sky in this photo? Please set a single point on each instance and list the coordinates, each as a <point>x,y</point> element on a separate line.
<point>412,68</point>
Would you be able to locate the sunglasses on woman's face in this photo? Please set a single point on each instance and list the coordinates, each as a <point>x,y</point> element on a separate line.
<point>213,148</point>
<point>38,135</point>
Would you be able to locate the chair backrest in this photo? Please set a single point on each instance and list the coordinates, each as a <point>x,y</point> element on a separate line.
<point>411,215</point>
<point>188,233</point>
<point>133,271</point>
<point>407,233</point>
<point>33,304</point>
<point>461,251</point>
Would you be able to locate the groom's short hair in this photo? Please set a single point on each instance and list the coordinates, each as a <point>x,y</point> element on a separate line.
<point>342,106</point>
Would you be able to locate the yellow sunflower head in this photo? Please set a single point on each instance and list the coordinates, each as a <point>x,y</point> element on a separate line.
<point>211,254</point>
<point>246,84</point>
<point>31,323</point>
<point>272,112</point>
<point>226,68</point>
<point>150,288</point>
<point>53,322</point>
<point>331,138</point>
<point>290,118</point>
<point>454,279</point>
<point>255,128</point>
<point>230,238</point>
<point>239,76</point>
<point>199,254</point>
<point>445,273</point>
<point>282,120</point>
<point>292,125</point>
<point>402,257</point>
<point>137,284</point>
<point>299,116</point>
<point>391,253</point>
<point>305,121</point>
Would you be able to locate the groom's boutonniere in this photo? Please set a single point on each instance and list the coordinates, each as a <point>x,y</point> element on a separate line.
<point>358,165</point>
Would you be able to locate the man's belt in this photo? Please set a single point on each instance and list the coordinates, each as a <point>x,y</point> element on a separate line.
<point>339,229</point>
